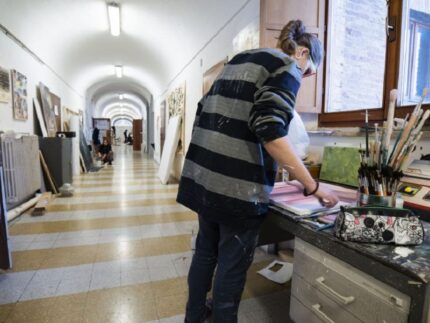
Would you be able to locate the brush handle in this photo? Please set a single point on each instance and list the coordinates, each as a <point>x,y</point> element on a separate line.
<point>390,118</point>
<point>403,139</point>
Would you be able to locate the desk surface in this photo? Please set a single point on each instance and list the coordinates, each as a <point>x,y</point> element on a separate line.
<point>407,269</point>
<point>413,261</point>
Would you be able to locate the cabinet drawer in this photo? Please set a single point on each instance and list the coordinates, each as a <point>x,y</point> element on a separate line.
<point>362,295</point>
<point>319,308</point>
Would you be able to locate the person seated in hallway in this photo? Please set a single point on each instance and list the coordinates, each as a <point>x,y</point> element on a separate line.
<point>129,139</point>
<point>105,152</point>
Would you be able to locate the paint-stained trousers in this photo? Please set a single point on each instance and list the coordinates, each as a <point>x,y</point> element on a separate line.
<point>231,250</point>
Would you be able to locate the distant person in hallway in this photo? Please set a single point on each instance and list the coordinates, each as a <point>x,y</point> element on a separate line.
<point>129,139</point>
<point>125,136</point>
<point>96,135</point>
<point>105,152</point>
<point>239,138</point>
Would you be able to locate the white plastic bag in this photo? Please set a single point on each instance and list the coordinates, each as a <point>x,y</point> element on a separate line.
<point>298,136</point>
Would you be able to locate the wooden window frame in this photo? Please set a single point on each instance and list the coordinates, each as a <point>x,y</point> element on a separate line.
<point>392,71</point>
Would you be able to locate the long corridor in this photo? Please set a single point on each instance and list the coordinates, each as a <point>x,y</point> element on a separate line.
<point>117,251</point>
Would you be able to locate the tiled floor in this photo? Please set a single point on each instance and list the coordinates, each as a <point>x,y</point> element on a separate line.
<point>117,251</point>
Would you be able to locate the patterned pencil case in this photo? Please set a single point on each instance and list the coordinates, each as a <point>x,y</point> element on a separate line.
<point>379,225</point>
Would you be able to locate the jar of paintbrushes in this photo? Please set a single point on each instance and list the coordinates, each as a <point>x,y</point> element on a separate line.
<point>382,168</point>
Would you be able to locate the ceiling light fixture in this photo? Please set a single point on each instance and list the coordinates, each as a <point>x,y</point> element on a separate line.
<point>121,96</point>
<point>118,71</point>
<point>114,18</point>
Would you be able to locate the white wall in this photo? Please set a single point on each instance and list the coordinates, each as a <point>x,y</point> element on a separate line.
<point>218,49</point>
<point>13,56</point>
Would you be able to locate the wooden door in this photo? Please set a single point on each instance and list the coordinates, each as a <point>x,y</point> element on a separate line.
<point>5,256</point>
<point>274,15</point>
<point>137,134</point>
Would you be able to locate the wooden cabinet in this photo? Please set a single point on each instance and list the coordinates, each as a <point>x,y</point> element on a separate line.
<point>274,15</point>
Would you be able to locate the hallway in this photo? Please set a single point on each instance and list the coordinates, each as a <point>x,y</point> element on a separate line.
<point>117,251</point>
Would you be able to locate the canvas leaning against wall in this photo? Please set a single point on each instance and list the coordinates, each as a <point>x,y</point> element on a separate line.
<point>19,93</point>
<point>44,97</point>
<point>176,107</point>
<point>4,86</point>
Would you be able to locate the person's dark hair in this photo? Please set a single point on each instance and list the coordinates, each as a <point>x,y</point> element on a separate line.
<point>294,34</point>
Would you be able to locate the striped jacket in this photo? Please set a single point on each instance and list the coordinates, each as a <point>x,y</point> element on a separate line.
<point>227,172</point>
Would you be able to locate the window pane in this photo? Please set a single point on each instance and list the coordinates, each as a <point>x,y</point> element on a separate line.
<point>415,66</point>
<point>356,54</point>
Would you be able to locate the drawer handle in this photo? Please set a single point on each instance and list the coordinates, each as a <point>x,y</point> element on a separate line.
<point>342,299</point>
<point>321,315</point>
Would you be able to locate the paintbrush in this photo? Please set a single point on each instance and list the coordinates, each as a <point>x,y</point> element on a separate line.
<point>408,128</point>
<point>389,125</point>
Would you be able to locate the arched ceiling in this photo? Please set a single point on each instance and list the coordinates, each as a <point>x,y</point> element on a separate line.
<point>158,38</point>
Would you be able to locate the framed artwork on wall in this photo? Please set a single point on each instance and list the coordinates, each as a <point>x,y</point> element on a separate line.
<point>176,107</point>
<point>19,94</point>
<point>44,97</point>
<point>4,85</point>
<point>56,106</point>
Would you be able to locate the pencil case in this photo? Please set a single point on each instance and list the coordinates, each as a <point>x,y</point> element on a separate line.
<point>380,225</point>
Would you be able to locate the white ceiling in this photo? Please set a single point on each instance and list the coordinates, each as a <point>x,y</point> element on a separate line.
<point>158,38</point>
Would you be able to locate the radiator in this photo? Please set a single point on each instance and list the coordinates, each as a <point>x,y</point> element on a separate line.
<point>21,166</point>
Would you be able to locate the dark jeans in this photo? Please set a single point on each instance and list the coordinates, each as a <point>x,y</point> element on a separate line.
<point>231,249</point>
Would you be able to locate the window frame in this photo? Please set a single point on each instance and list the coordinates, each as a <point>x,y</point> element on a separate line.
<point>392,72</point>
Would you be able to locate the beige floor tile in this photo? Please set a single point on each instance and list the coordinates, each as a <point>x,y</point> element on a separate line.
<point>171,305</point>
<point>99,223</point>
<point>31,311</point>
<point>5,311</point>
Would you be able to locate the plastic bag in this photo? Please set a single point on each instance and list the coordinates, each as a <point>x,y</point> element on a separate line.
<point>298,136</point>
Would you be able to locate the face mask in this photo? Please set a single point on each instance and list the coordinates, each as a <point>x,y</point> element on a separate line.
<point>311,68</point>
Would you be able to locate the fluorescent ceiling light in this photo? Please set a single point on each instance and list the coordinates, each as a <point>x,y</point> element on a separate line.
<point>114,19</point>
<point>121,96</point>
<point>118,71</point>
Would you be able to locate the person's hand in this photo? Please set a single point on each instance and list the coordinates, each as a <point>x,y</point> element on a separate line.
<point>326,197</point>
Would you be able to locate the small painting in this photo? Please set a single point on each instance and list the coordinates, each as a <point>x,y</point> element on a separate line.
<point>4,86</point>
<point>176,107</point>
<point>19,91</point>
<point>44,97</point>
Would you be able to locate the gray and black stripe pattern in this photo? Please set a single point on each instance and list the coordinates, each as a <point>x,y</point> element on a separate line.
<point>227,172</point>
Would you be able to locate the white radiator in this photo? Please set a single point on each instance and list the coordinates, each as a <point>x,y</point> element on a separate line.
<point>21,166</point>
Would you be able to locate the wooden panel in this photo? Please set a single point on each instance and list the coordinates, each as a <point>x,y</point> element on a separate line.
<point>279,12</point>
<point>274,15</point>
<point>211,74</point>
<point>137,134</point>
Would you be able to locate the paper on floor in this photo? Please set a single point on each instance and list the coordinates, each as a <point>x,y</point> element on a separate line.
<point>280,276</point>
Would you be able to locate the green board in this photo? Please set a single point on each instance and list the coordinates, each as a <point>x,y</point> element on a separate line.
<point>340,165</point>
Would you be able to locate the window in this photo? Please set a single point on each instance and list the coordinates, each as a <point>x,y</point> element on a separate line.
<point>415,71</point>
<point>356,51</point>
<point>374,46</point>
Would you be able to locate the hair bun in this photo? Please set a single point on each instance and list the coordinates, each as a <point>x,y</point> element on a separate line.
<point>295,29</point>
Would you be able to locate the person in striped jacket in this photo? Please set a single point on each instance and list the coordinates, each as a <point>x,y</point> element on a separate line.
<point>239,138</point>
